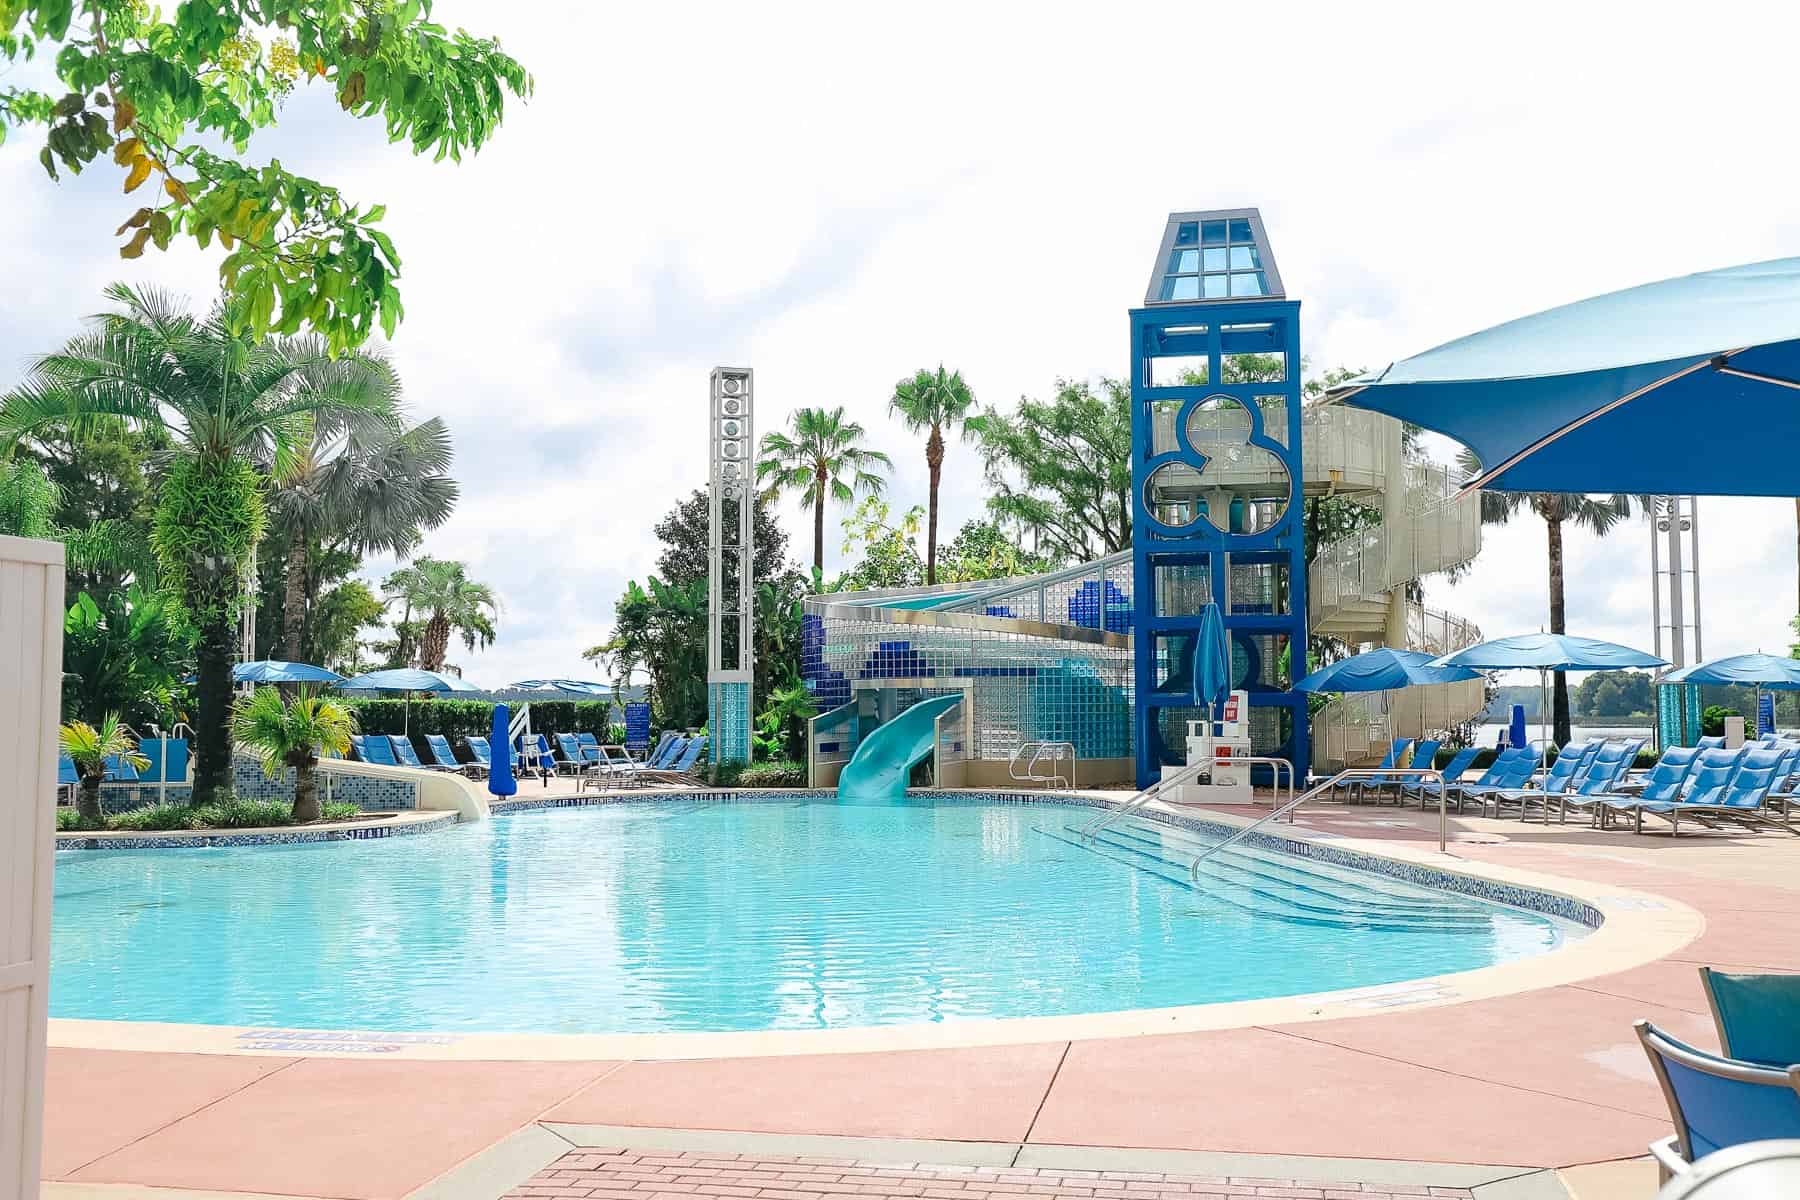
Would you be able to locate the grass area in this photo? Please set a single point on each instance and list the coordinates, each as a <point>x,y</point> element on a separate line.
<point>233,814</point>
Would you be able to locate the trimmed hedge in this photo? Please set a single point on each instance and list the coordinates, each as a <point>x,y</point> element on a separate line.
<point>777,774</point>
<point>461,718</point>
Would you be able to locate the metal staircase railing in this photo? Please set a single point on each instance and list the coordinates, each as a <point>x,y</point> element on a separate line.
<point>1287,810</point>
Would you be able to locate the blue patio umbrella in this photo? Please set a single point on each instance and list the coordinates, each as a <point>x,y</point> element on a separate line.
<point>1546,652</point>
<point>270,670</point>
<point>1682,387</point>
<point>580,687</point>
<point>408,680</point>
<point>1762,671</point>
<point>1383,670</point>
<point>1212,662</point>
<point>500,774</point>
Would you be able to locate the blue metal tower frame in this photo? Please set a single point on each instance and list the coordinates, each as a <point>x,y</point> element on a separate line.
<point>1208,299</point>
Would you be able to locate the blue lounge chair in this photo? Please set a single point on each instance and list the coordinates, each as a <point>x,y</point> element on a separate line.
<point>679,770</point>
<point>590,746</point>
<point>406,756</point>
<point>1511,769</point>
<point>1735,793</point>
<point>569,746</point>
<point>1454,770</point>
<point>379,751</point>
<point>1395,754</point>
<point>1716,1102</point>
<point>1604,772</point>
<point>482,752</point>
<point>444,758</point>
<point>1571,763</point>
<point>671,749</point>
<point>662,746</point>
<point>1710,743</point>
<point>1423,753</point>
<point>67,777</point>
<point>1758,1016</point>
<point>1663,784</point>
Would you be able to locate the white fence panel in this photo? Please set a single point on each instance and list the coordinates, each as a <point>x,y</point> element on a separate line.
<point>31,593</point>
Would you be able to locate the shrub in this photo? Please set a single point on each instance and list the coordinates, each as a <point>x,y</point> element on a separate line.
<point>245,814</point>
<point>340,810</point>
<point>777,774</point>
<point>69,820</point>
<point>461,718</point>
<point>156,816</point>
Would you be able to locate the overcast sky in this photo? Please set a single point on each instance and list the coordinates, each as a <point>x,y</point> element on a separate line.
<point>837,195</point>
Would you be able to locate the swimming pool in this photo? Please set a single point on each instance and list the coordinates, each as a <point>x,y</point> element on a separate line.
<point>787,913</point>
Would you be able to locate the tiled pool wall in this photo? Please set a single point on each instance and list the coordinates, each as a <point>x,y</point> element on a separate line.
<point>367,792</point>
<point>225,838</point>
<point>1492,890</point>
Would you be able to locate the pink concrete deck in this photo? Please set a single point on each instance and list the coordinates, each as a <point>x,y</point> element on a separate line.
<point>1539,1079</point>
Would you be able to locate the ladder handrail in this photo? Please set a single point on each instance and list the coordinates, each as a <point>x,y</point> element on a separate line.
<point>1426,773</point>
<point>1191,771</point>
<point>1038,750</point>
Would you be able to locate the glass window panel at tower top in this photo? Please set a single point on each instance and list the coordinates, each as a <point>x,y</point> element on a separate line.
<point>1214,256</point>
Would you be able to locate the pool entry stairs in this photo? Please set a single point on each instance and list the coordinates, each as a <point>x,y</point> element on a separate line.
<point>1268,883</point>
<point>884,760</point>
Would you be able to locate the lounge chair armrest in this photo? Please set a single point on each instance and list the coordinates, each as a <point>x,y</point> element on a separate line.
<point>1669,1162</point>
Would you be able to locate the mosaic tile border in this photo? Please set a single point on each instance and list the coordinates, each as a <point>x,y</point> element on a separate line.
<point>1475,887</point>
<point>256,837</point>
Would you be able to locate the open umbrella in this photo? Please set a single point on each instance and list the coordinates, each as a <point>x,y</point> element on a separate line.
<point>579,687</point>
<point>1683,387</point>
<point>1383,670</point>
<point>275,671</point>
<point>1761,670</point>
<point>408,680</point>
<point>1546,652</point>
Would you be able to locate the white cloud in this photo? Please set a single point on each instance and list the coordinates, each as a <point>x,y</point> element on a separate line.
<point>837,195</point>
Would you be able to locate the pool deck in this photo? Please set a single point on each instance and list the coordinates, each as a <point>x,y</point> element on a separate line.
<point>1483,1098</point>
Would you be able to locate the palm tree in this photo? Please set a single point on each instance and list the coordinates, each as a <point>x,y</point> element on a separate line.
<point>1557,509</point>
<point>228,401</point>
<point>453,603</point>
<point>814,459</point>
<point>90,748</point>
<point>358,485</point>
<point>933,400</point>
<point>290,733</point>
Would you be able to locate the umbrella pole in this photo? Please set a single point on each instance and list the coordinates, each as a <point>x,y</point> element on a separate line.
<point>1544,707</point>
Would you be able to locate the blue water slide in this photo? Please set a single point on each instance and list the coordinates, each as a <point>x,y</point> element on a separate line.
<point>884,761</point>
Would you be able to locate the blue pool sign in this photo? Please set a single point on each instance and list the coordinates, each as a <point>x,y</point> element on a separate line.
<point>1765,714</point>
<point>637,726</point>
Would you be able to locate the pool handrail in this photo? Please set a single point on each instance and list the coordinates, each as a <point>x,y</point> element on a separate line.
<point>1039,750</point>
<point>1324,787</point>
<point>1138,801</point>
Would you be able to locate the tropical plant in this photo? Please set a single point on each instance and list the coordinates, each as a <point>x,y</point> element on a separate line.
<point>291,733</point>
<point>888,557</point>
<point>28,500</point>
<point>931,402</point>
<point>125,652</point>
<point>983,550</point>
<point>176,92</point>
<point>1061,470</point>
<point>91,747</point>
<point>781,727</point>
<point>1557,510</point>
<point>820,457</point>
<point>226,400</point>
<point>452,603</point>
<point>357,486</point>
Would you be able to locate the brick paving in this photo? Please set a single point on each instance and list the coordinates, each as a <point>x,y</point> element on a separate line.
<point>624,1174</point>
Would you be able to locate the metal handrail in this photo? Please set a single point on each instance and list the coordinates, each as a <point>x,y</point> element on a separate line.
<point>1287,810</point>
<point>1278,766</point>
<point>1137,802</point>
<point>1039,749</point>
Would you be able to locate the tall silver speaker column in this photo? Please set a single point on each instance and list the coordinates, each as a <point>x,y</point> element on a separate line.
<point>730,592</point>
<point>1675,611</point>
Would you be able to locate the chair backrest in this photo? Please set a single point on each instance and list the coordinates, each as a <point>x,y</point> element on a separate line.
<point>691,755</point>
<point>404,754</point>
<point>478,746</point>
<point>661,749</point>
<point>1757,772</point>
<point>1518,772</point>
<point>590,746</point>
<point>1719,1102</point>
<point>118,770</point>
<point>1711,772</point>
<point>1670,770</point>
<point>1455,768</point>
<point>570,747</point>
<point>1502,766</point>
<point>379,750</point>
<point>677,745</point>
<point>441,753</point>
<point>1710,743</point>
<point>1758,1016</point>
<point>65,771</point>
<point>1607,766</point>
<point>1571,760</point>
<point>1424,754</point>
<point>1396,752</point>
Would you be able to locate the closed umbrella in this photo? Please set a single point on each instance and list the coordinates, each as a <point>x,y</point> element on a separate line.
<point>407,680</point>
<point>1546,652</point>
<point>1687,386</point>
<point>500,774</point>
<point>1212,660</point>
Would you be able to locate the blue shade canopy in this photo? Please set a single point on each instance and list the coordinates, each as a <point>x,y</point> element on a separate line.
<point>407,679</point>
<point>1382,670</point>
<point>1687,386</point>
<point>1755,670</point>
<point>580,687</point>
<point>1212,659</point>
<point>276,671</point>
<point>1548,652</point>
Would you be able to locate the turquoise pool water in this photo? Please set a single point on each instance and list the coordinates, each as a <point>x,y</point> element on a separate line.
<point>687,915</point>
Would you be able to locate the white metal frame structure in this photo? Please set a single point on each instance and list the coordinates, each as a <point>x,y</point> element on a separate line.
<point>1675,578</point>
<point>31,594</point>
<point>731,548</point>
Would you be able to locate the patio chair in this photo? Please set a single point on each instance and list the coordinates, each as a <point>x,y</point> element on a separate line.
<point>1716,1102</point>
<point>67,779</point>
<point>590,747</point>
<point>376,749</point>
<point>681,770</point>
<point>482,752</point>
<point>1758,1016</point>
<point>1422,755</point>
<point>1738,796</point>
<point>1396,754</point>
<point>1710,743</point>
<point>1661,785</point>
<point>1454,770</point>
<point>660,750</point>
<point>1571,763</point>
<point>406,756</point>
<point>444,758</point>
<point>1511,769</point>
